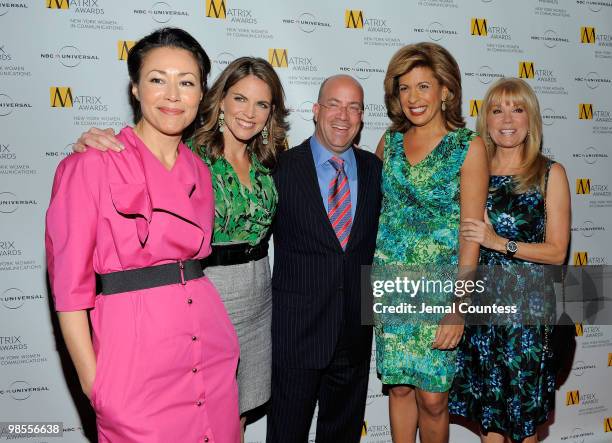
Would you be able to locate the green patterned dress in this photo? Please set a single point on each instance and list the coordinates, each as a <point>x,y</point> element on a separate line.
<point>419,225</point>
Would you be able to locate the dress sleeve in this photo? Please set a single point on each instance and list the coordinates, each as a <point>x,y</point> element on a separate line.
<point>70,235</point>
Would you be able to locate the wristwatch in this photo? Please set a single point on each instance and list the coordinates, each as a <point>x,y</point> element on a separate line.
<point>511,248</point>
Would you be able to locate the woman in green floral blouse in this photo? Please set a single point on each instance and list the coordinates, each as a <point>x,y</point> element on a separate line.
<point>243,131</point>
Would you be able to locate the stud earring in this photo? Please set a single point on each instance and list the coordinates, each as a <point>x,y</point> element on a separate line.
<point>221,121</point>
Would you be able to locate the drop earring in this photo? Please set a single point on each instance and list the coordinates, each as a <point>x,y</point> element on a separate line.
<point>264,135</point>
<point>443,105</point>
<point>221,121</point>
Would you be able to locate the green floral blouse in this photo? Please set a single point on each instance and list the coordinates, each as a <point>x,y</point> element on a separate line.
<point>241,214</point>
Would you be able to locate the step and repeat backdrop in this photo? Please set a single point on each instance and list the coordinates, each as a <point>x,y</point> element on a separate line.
<point>63,70</point>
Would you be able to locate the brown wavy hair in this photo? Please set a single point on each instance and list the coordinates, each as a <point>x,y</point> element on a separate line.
<point>208,138</point>
<point>445,69</point>
<point>533,164</point>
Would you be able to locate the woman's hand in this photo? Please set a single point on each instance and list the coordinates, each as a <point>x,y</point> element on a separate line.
<point>87,383</point>
<point>100,139</point>
<point>482,232</point>
<point>449,332</point>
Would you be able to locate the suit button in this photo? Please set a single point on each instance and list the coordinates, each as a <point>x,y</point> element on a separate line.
<point>199,403</point>
<point>206,440</point>
<point>194,338</point>
<point>194,370</point>
<point>189,301</point>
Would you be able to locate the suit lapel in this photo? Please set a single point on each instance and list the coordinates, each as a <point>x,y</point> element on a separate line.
<point>363,179</point>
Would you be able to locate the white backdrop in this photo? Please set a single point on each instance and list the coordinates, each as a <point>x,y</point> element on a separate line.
<point>61,71</point>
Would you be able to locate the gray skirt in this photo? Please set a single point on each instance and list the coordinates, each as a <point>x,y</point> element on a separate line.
<point>246,291</point>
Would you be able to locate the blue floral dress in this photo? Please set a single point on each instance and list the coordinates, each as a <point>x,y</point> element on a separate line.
<point>505,378</point>
<point>418,231</point>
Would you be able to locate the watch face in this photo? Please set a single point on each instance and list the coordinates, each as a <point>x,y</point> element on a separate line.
<point>512,247</point>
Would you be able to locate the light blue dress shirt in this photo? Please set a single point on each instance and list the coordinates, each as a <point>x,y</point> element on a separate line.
<point>326,172</point>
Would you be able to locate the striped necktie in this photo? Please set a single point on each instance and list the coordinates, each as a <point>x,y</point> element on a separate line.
<point>339,202</point>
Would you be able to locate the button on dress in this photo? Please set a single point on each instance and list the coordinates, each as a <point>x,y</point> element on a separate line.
<point>166,356</point>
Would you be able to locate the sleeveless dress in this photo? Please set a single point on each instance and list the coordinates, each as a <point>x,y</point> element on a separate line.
<point>505,377</point>
<point>419,225</point>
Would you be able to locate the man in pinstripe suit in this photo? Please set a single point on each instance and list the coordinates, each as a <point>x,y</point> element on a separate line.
<point>324,231</point>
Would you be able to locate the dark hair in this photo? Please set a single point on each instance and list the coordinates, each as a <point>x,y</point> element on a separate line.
<point>445,69</point>
<point>209,139</point>
<point>164,38</point>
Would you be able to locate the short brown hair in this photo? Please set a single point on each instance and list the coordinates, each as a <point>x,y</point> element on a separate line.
<point>208,138</point>
<point>445,69</point>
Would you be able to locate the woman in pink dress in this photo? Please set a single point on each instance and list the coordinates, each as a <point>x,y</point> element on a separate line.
<point>160,365</point>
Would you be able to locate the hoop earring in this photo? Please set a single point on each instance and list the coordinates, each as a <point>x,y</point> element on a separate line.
<point>264,135</point>
<point>221,121</point>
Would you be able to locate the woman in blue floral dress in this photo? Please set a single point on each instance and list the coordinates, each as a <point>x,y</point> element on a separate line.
<point>434,175</point>
<point>505,378</point>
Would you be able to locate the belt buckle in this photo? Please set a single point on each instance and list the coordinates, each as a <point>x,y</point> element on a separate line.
<point>181,266</point>
<point>248,251</point>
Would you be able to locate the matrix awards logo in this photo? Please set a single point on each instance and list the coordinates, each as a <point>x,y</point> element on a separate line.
<point>353,19</point>
<point>587,35</point>
<point>60,97</point>
<point>216,9</point>
<point>307,22</point>
<point>364,429</point>
<point>278,58</point>
<point>579,329</point>
<point>581,258</point>
<point>6,153</point>
<point>610,360</point>
<point>572,398</point>
<point>585,111</point>
<point>8,105</point>
<point>478,27</point>
<point>526,70</point>
<point>58,4</point>
<point>77,6</point>
<point>608,424</point>
<point>123,48</point>
<point>8,249</point>
<point>63,97</point>
<point>475,106</point>
<point>356,19</point>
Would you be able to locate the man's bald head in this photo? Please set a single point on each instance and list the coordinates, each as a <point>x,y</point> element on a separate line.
<point>339,78</point>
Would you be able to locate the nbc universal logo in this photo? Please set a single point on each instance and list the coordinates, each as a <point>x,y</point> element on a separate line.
<point>601,41</point>
<point>22,390</point>
<point>550,38</point>
<point>595,5</point>
<point>11,202</point>
<point>281,58</point>
<point>6,6</point>
<point>15,298</point>
<point>307,22</point>
<point>587,403</point>
<point>219,9</point>
<point>485,74</point>
<point>593,80</point>
<point>161,12</point>
<point>588,229</point>
<point>550,116</point>
<point>577,435</point>
<point>69,56</point>
<point>436,31</point>
<point>546,80</point>
<point>362,69</point>
<point>304,110</point>
<point>591,155</point>
<point>9,106</point>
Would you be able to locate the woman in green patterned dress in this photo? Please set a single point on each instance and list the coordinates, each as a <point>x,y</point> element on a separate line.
<point>434,175</point>
<point>242,130</point>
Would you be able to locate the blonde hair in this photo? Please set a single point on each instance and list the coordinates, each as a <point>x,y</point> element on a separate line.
<point>445,69</point>
<point>534,164</point>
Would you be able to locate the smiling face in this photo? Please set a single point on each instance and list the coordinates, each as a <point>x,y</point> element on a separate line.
<point>169,90</point>
<point>338,113</point>
<point>247,106</point>
<point>421,96</point>
<point>508,123</point>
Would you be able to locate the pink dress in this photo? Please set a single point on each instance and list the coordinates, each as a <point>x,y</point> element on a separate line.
<point>166,356</point>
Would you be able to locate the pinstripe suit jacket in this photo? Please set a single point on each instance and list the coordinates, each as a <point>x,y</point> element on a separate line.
<point>316,285</point>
